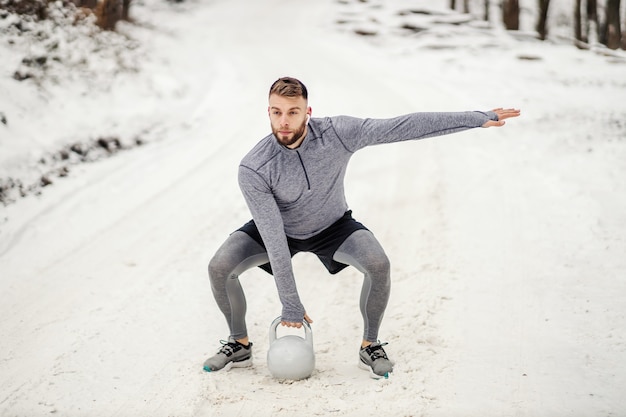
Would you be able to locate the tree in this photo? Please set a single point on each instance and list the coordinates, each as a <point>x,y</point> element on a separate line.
<point>510,14</point>
<point>624,33</point>
<point>612,36</point>
<point>586,22</point>
<point>466,8</point>
<point>542,25</point>
<point>126,9</point>
<point>578,21</point>
<point>486,15</point>
<point>108,13</point>
<point>592,27</point>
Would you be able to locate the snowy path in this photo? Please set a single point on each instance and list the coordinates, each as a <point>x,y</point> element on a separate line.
<point>508,282</point>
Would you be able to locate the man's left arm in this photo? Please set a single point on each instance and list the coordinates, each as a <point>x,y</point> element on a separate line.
<point>358,133</point>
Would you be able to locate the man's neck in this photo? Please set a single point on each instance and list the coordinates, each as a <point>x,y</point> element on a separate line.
<point>297,144</point>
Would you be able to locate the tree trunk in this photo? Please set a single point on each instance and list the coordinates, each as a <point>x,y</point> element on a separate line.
<point>126,9</point>
<point>613,34</point>
<point>108,13</point>
<point>624,33</point>
<point>592,29</point>
<point>453,4</point>
<point>578,22</point>
<point>466,7</point>
<point>486,16</point>
<point>542,23</point>
<point>510,14</point>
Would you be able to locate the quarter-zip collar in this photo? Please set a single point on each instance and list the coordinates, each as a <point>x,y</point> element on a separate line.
<point>302,146</point>
<point>299,151</point>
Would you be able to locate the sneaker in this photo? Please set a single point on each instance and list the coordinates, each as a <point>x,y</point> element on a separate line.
<point>374,359</point>
<point>231,354</point>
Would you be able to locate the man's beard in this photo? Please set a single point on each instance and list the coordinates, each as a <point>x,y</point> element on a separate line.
<point>286,140</point>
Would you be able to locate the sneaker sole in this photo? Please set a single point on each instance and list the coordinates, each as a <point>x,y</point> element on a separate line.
<point>240,364</point>
<point>366,367</point>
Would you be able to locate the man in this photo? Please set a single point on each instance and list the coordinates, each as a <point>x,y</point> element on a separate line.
<point>292,181</point>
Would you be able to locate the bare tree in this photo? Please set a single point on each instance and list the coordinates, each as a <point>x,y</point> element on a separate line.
<point>126,9</point>
<point>466,8</point>
<point>578,22</point>
<point>542,23</point>
<point>510,14</point>
<point>592,28</point>
<point>586,22</point>
<point>612,32</point>
<point>624,33</point>
<point>108,13</point>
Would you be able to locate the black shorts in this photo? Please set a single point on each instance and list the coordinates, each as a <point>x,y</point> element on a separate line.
<point>324,244</point>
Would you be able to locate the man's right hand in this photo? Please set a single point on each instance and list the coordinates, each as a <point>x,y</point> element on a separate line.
<point>298,324</point>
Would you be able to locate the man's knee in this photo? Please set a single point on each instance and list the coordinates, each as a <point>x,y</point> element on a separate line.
<point>216,267</point>
<point>383,263</point>
<point>223,261</point>
<point>362,250</point>
<point>378,264</point>
<point>238,254</point>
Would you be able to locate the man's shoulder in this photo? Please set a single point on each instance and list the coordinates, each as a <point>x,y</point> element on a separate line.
<point>336,124</point>
<point>322,124</point>
<point>261,153</point>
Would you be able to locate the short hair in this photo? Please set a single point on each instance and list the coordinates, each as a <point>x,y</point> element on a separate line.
<point>289,87</point>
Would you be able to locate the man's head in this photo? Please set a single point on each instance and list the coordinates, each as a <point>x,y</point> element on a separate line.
<point>289,111</point>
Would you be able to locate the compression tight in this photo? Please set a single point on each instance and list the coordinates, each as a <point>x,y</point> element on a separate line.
<point>240,252</point>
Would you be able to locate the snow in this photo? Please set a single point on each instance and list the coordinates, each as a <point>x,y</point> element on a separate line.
<point>507,244</point>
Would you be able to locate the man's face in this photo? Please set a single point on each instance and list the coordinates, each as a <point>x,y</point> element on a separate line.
<point>288,117</point>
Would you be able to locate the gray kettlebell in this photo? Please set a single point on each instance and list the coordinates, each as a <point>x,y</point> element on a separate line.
<point>291,356</point>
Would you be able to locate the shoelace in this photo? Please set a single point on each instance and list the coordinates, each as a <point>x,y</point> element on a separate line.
<point>228,348</point>
<point>376,351</point>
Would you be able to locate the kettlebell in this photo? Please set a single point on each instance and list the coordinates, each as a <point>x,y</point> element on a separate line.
<point>291,356</point>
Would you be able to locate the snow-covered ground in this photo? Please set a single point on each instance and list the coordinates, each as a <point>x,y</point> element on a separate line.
<point>507,245</point>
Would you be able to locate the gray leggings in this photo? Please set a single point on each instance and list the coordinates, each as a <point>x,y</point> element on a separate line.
<point>240,252</point>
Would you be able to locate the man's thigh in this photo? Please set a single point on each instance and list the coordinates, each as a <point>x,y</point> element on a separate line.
<point>239,253</point>
<point>362,250</point>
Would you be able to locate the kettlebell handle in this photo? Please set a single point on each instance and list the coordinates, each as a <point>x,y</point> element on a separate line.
<point>307,330</point>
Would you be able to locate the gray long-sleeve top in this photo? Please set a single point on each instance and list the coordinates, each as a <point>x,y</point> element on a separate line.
<point>300,192</point>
